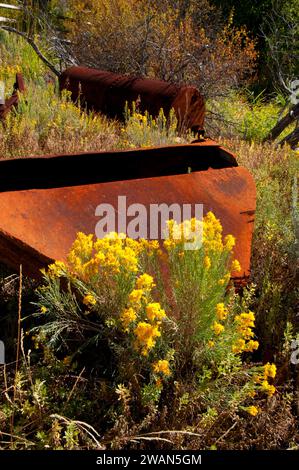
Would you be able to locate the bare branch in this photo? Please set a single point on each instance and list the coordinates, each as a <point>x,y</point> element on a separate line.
<point>30,41</point>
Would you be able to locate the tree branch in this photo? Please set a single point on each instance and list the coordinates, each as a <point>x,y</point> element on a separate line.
<point>292,115</point>
<point>30,41</point>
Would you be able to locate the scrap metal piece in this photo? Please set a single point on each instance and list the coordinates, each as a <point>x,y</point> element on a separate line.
<point>40,225</point>
<point>109,92</point>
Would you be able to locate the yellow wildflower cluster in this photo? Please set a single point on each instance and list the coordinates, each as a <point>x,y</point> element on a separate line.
<point>161,367</point>
<point>208,231</point>
<point>269,372</point>
<point>135,297</point>
<point>252,410</point>
<point>212,233</point>
<point>188,231</point>
<point>217,328</point>
<point>89,300</point>
<point>267,388</point>
<point>145,281</point>
<point>109,255</point>
<point>207,262</point>
<point>221,311</point>
<point>225,280</point>
<point>127,317</point>
<point>236,267</point>
<point>56,269</point>
<point>230,242</point>
<point>155,312</point>
<point>148,315</point>
<point>146,335</point>
<point>245,323</point>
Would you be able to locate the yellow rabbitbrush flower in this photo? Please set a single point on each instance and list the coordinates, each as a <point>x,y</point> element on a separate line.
<point>251,346</point>
<point>162,367</point>
<point>127,317</point>
<point>252,410</point>
<point>230,242</point>
<point>217,328</point>
<point>225,280</point>
<point>236,267</point>
<point>135,297</point>
<point>269,370</point>
<point>110,255</point>
<point>145,281</point>
<point>207,262</point>
<point>89,300</point>
<point>245,321</point>
<point>155,312</point>
<point>221,311</point>
<point>146,335</point>
<point>267,388</point>
<point>238,346</point>
<point>56,269</point>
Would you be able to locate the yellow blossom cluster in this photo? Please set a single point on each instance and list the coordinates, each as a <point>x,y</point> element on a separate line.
<point>155,312</point>
<point>221,311</point>
<point>267,388</point>
<point>207,262</point>
<point>245,323</point>
<point>56,269</point>
<point>127,317</point>
<point>188,231</point>
<point>269,372</point>
<point>145,281</point>
<point>108,256</point>
<point>236,267</point>
<point>146,335</point>
<point>252,410</point>
<point>142,316</point>
<point>207,233</point>
<point>217,328</point>
<point>225,280</point>
<point>89,300</point>
<point>161,367</point>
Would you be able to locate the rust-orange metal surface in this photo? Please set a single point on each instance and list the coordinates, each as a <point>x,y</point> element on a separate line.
<point>108,93</point>
<point>45,201</point>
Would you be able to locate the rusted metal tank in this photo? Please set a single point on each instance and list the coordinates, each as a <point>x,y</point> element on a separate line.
<point>108,93</point>
<point>12,102</point>
<point>45,201</point>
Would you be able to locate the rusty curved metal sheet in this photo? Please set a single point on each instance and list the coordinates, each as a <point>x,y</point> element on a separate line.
<point>12,102</point>
<point>108,93</point>
<point>42,212</point>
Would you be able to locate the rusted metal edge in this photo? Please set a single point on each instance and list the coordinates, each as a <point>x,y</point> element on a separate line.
<point>99,167</point>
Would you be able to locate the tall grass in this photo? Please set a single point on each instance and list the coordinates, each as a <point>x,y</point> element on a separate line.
<point>275,243</point>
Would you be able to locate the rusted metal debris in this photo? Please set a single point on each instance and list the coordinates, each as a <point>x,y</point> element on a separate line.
<point>108,92</point>
<point>45,201</point>
<point>12,102</point>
